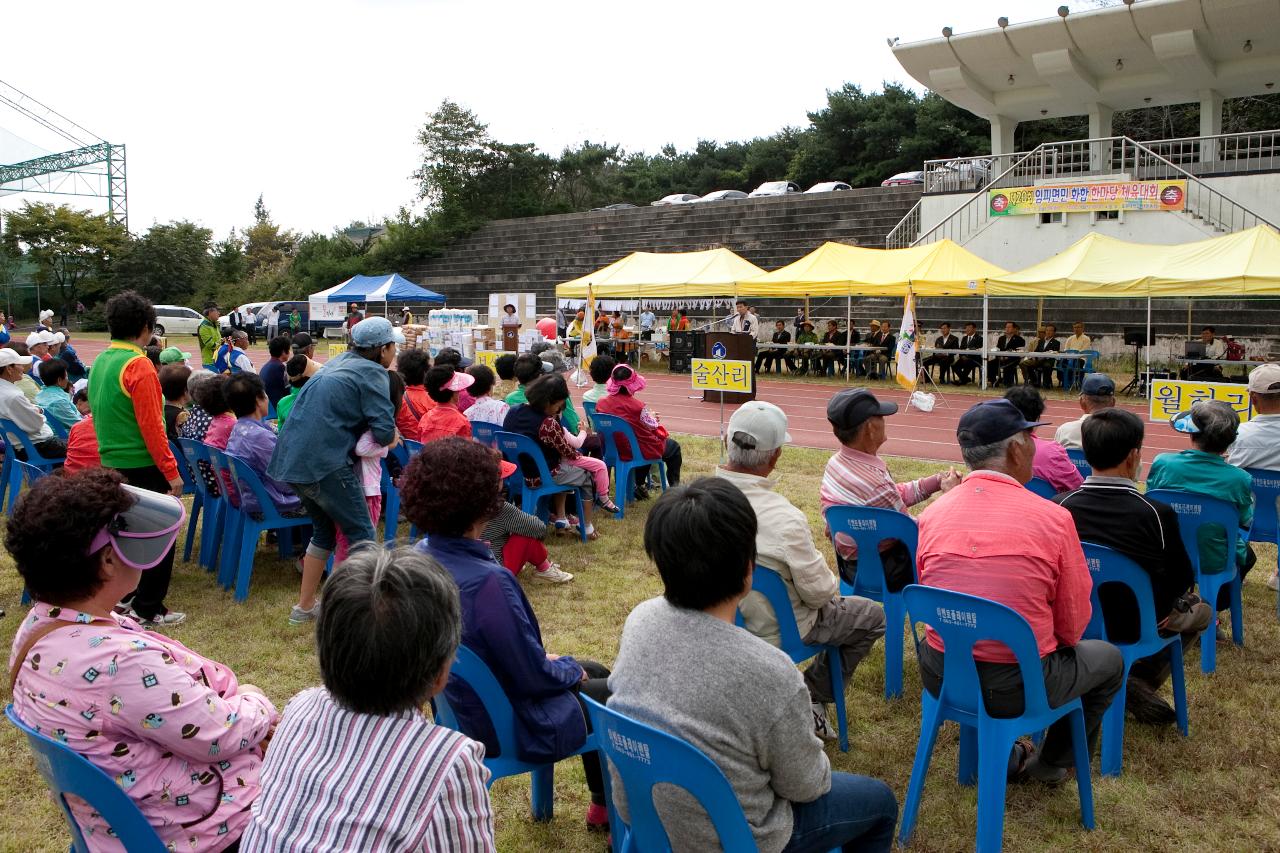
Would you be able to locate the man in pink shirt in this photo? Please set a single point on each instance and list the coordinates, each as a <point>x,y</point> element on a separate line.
<point>991,537</point>
<point>1051,462</point>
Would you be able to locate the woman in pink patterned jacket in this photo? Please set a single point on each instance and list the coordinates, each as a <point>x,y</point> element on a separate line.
<point>175,730</point>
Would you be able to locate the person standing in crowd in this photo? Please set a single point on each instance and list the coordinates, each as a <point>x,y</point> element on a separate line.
<point>678,322</point>
<point>857,476</point>
<point>1202,470</point>
<point>623,386</point>
<point>1051,462</point>
<point>385,776</point>
<point>25,414</point>
<point>756,435</point>
<point>1097,392</point>
<point>673,673</point>
<point>1109,510</point>
<point>1038,372</point>
<point>231,357</point>
<point>179,734</point>
<point>562,322</point>
<point>1003,370</point>
<point>774,357</point>
<point>128,418</point>
<point>942,360</point>
<point>966,364</point>
<point>273,374</point>
<point>743,322</point>
<point>450,491</point>
<point>295,321</point>
<point>647,321</point>
<point>509,316</point>
<point>55,396</point>
<point>273,322</point>
<point>1257,443</point>
<point>1035,566</point>
<point>209,335</point>
<point>314,456</point>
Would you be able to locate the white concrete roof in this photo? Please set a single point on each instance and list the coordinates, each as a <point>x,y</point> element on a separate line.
<point>1151,53</point>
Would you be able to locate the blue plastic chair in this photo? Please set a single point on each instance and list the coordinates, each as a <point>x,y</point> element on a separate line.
<point>610,427</point>
<point>5,470</point>
<point>768,583</point>
<point>65,771</point>
<point>1266,496</point>
<point>1078,460</point>
<point>58,428</point>
<point>1073,377</point>
<point>1194,512</point>
<point>391,494</point>
<point>215,506</point>
<point>1108,566</point>
<point>645,757</point>
<point>14,435</point>
<point>248,526</point>
<point>1041,487</point>
<point>470,669</point>
<point>193,485</point>
<point>962,620</point>
<point>485,432</point>
<point>514,447</point>
<point>589,408</point>
<point>868,526</point>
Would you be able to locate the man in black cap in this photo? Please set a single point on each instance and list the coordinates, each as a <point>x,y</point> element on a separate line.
<point>856,476</point>
<point>992,538</point>
<point>1097,392</point>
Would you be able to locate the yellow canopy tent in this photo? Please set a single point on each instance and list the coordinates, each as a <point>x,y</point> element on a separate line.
<point>1246,263</point>
<point>672,275</point>
<point>837,269</point>
<point>1095,265</point>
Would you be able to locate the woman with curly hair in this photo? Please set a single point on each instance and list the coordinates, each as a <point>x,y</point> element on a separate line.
<point>178,733</point>
<point>451,490</point>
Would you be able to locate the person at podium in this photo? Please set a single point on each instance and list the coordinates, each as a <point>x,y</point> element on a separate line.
<point>509,316</point>
<point>744,322</point>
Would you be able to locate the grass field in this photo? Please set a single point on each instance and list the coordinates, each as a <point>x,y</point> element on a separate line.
<point>1218,790</point>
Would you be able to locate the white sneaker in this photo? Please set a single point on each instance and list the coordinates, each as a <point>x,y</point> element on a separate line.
<point>1274,581</point>
<point>553,574</point>
<point>298,616</point>
<point>821,725</point>
<point>164,620</point>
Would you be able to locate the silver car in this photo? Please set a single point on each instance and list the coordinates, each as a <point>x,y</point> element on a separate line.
<point>769,188</point>
<point>721,195</point>
<point>675,198</point>
<point>828,187</point>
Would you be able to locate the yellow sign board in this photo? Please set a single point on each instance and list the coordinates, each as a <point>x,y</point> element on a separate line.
<point>718,374</point>
<point>486,357</point>
<point>1171,396</point>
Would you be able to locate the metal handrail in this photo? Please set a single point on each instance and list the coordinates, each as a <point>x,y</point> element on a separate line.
<point>906,231</point>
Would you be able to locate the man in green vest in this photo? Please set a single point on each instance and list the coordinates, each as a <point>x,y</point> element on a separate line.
<point>128,419</point>
<point>210,336</point>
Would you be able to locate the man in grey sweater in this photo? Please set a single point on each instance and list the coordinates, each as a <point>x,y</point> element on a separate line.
<point>685,668</point>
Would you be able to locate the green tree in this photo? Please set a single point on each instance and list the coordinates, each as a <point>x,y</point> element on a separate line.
<point>167,264</point>
<point>266,246</point>
<point>72,249</point>
<point>228,263</point>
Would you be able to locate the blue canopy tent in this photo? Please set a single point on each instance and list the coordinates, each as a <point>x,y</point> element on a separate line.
<point>377,288</point>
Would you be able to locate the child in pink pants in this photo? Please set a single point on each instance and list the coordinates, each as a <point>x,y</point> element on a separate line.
<point>595,467</point>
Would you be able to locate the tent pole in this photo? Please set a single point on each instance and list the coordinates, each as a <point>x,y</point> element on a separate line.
<point>1039,313</point>
<point>848,336</point>
<point>1147,385</point>
<point>982,365</point>
<point>1188,318</point>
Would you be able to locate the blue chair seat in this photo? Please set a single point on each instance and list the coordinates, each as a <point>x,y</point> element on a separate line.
<point>65,771</point>
<point>612,429</point>
<point>961,621</point>
<point>485,432</point>
<point>1266,495</point>
<point>213,503</point>
<point>1041,487</point>
<point>247,526</point>
<point>471,670</point>
<point>515,448</point>
<point>1108,566</point>
<point>1196,511</point>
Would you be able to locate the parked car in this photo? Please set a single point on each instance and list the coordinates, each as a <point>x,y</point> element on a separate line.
<point>675,198</point>
<point>903,179</point>
<point>622,205</point>
<point>775,188</point>
<point>177,320</point>
<point>829,187</point>
<point>285,308</point>
<point>968,174</point>
<point>721,195</point>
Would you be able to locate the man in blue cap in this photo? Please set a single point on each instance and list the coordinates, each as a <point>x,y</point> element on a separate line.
<point>335,407</point>
<point>993,538</point>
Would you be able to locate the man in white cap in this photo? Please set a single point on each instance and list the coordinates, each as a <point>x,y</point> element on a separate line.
<point>784,543</point>
<point>26,415</point>
<point>38,344</point>
<point>1257,444</point>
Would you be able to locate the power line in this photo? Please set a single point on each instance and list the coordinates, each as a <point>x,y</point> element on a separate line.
<point>50,118</point>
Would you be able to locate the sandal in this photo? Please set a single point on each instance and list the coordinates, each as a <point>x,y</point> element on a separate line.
<point>605,504</point>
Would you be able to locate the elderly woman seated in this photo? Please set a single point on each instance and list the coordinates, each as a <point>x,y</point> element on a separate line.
<point>179,734</point>
<point>450,491</point>
<point>356,764</point>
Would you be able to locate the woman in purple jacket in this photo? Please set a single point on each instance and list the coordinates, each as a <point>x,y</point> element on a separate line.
<point>450,490</point>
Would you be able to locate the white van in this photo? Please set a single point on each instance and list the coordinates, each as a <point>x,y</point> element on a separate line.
<point>177,320</point>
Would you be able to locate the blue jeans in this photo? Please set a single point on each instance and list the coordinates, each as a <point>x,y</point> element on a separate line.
<point>335,501</point>
<point>858,813</point>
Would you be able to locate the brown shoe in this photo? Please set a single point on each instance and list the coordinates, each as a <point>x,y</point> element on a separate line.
<point>1146,705</point>
<point>1195,618</point>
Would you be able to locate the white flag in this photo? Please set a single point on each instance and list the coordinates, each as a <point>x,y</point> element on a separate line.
<point>588,334</point>
<point>906,354</point>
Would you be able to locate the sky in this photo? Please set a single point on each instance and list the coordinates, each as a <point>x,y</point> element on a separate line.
<point>317,105</point>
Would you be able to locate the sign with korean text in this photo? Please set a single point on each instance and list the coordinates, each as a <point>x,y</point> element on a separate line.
<point>1079,198</point>
<point>1171,396</point>
<point>721,374</point>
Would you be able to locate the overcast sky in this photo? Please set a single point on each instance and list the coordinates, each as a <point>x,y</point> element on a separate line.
<point>316,105</point>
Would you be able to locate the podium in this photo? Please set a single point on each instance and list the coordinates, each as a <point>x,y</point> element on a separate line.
<point>736,348</point>
<point>511,338</point>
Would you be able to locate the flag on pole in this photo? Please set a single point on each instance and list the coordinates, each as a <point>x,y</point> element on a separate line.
<point>588,334</point>
<point>906,354</point>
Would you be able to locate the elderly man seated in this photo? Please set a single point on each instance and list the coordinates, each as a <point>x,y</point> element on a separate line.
<point>1097,392</point>
<point>1257,443</point>
<point>757,433</point>
<point>856,476</point>
<point>1201,470</point>
<point>55,396</point>
<point>1109,510</point>
<point>993,538</point>
<point>26,415</point>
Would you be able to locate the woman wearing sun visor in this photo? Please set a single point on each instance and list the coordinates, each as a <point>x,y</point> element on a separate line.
<point>175,730</point>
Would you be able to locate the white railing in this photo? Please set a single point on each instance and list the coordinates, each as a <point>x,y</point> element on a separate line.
<point>906,231</point>
<point>1113,156</point>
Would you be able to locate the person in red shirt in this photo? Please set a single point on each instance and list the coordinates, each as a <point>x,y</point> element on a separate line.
<point>82,447</point>
<point>991,537</point>
<point>443,385</point>
<point>623,385</point>
<point>412,365</point>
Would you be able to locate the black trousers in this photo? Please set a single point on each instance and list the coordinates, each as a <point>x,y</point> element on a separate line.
<point>672,456</point>
<point>51,448</point>
<point>148,600</point>
<point>596,687</point>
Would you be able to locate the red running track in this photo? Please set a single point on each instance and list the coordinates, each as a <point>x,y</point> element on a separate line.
<point>912,433</point>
